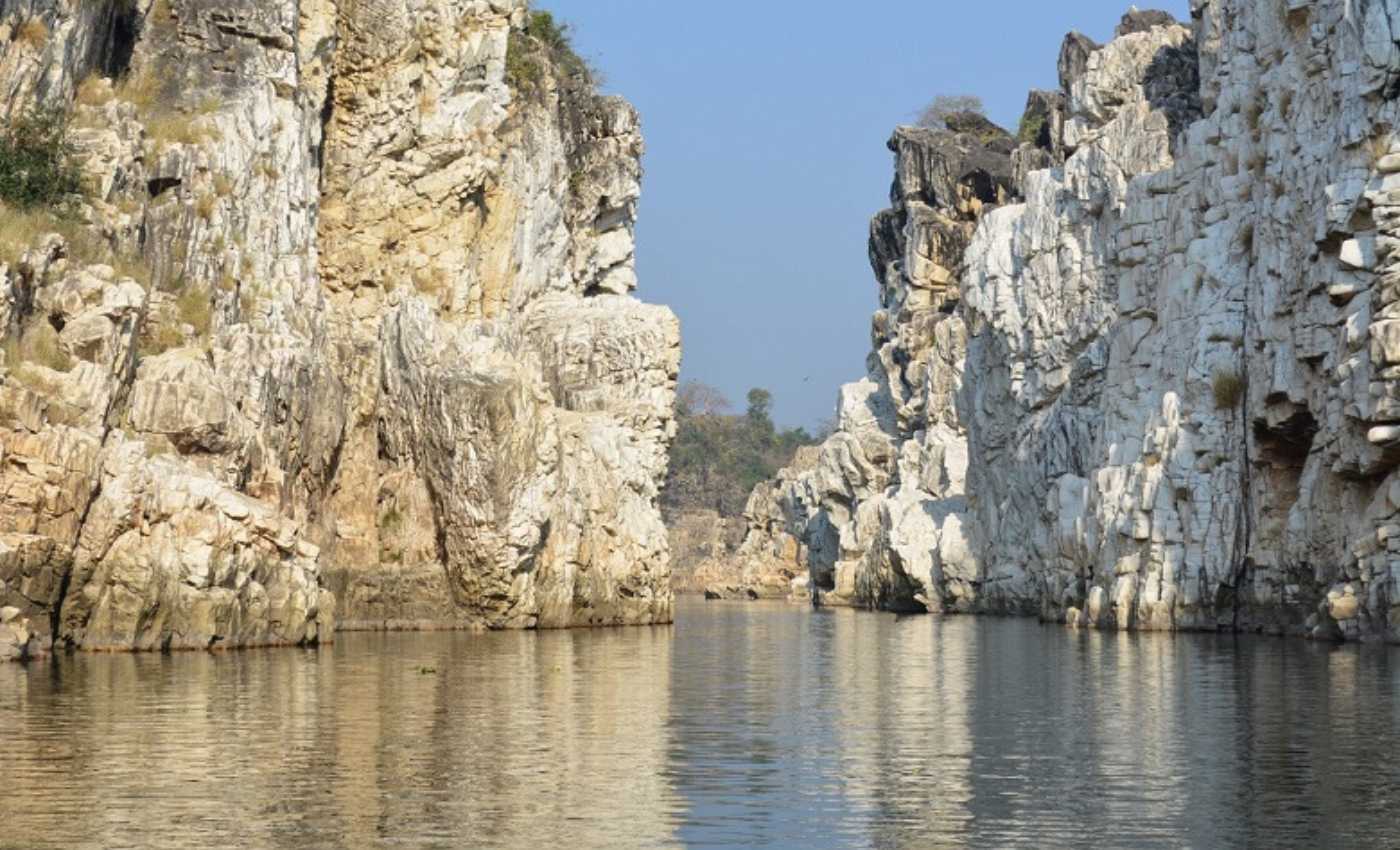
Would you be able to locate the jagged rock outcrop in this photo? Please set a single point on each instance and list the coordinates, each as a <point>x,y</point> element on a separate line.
<point>342,332</point>
<point>876,514</point>
<point>1176,397</point>
<point>1179,450</point>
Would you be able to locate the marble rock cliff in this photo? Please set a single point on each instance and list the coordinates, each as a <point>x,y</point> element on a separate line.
<point>342,332</point>
<point>1137,367</point>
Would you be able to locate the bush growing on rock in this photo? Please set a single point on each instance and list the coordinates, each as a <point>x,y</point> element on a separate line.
<point>936,114</point>
<point>37,163</point>
<point>1032,125</point>
<point>544,42</point>
<point>33,32</point>
<point>1228,389</point>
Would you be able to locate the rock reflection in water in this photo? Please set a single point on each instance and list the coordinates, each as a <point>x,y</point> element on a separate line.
<point>744,725</point>
<point>436,740</point>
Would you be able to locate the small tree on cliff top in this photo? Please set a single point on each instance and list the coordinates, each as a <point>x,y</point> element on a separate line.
<point>936,114</point>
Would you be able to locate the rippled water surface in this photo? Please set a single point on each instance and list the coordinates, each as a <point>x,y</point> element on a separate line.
<point>743,725</point>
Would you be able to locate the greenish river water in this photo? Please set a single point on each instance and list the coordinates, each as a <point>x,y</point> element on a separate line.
<point>744,725</point>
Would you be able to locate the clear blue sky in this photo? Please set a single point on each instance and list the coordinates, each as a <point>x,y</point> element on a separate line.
<point>766,123</point>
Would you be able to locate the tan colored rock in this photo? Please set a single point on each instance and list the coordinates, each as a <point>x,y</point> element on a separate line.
<point>350,312</point>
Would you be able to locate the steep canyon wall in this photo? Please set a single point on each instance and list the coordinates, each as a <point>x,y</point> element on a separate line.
<point>1135,368</point>
<point>342,331</point>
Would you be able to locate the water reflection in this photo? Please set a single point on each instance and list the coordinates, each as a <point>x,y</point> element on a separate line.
<point>419,740</point>
<point>745,725</point>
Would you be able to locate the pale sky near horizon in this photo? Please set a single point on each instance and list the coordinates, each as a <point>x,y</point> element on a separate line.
<point>766,123</point>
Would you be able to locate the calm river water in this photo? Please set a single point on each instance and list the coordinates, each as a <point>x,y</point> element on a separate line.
<point>745,725</point>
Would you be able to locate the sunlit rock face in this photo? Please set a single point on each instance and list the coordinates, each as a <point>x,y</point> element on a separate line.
<point>1176,401</point>
<point>342,333</point>
<point>877,513</point>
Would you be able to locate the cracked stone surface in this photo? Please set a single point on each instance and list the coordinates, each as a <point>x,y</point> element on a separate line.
<point>344,337</point>
<point>1163,391</point>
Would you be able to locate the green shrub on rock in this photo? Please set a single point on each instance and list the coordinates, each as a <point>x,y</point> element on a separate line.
<point>37,163</point>
<point>544,43</point>
<point>1032,125</point>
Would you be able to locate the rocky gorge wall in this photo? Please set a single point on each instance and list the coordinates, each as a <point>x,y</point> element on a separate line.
<point>1137,367</point>
<point>341,333</point>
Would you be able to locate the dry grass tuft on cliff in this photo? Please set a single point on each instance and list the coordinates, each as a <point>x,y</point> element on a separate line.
<point>160,338</point>
<point>195,309</point>
<point>140,89</point>
<point>1228,389</point>
<point>178,128</point>
<point>166,327</point>
<point>161,12</point>
<point>34,33</point>
<point>39,346</point>
<point>205,205</point>
<point>165,124</point>
<point>131,267</point>
<point>21,229</point>
<point>94,91</point>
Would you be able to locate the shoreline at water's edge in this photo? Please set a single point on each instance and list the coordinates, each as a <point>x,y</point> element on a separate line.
<point>48,654</point>
<point>371,627</point>
<point>1271,631</point>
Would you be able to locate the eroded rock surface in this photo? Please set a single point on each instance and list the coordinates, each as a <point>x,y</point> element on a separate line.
<point>343,332</point>
<point>1166,364</point>
<point>875,516</point>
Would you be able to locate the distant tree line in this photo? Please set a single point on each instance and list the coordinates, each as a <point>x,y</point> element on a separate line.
<point>719,456</point>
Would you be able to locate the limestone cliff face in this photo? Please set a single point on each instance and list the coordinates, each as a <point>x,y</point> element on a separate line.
<point>877,512</point>
<point>1169,360</point>
<point>343,331</point>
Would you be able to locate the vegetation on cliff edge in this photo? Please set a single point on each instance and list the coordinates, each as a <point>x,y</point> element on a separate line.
<point>38,167</point>
<point>936,114</point>
<point>719,457</point>
<point>541,44</point>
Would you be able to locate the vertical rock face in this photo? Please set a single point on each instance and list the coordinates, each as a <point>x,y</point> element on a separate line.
<point>877,513</point>
<point>1176,396</point>
<point>342,331</point>
<point>1041,303</point>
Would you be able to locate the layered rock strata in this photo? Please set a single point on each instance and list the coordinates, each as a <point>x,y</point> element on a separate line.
<point>341,333</point>
<point>1176,398</point>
